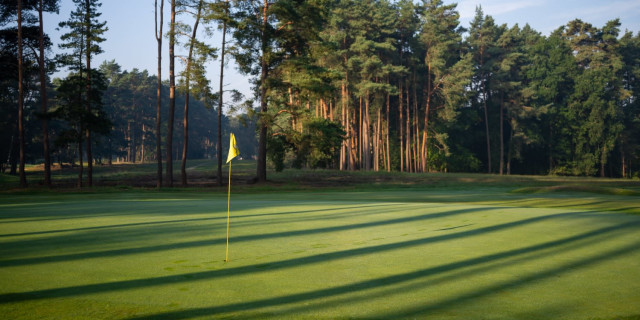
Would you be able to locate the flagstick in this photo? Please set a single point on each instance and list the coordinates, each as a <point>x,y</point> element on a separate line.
<point>228,212</point>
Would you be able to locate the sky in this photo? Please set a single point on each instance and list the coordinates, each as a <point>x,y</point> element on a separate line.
<point>131,40</point>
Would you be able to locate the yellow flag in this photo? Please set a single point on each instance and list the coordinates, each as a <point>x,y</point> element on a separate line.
<point>233,149</point>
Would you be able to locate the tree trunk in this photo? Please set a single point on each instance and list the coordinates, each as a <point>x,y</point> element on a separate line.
<point>410,144</point>
<point>23,177</point>
<point>603,161</point>
<point>425,133</point>
<point>262,143</point>
<point>159,97</point>
<point>44,100</point>
<point>388,153</point>
<point>486,125</point>
<point>416,128</point>
<point>172,94</point>
<point>185,145</point>
<point>550,146</point>
<point>366,135</point>
<point>425,137</point>
<point>510,153</point>
<point>501,170</point>
<point>81,161</point>
<point>88,106</point>
<point>345,122</point>
<point>622,156</point>
<point>219,146</point>
<point>401,125</point>
<point>378,137</point>
<point>142,138</point>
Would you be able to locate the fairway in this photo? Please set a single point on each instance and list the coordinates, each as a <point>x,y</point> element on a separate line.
<point>334,255</point>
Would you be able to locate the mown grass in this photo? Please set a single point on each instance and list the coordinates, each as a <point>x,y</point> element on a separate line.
<point>325,245</point>
<point>320,244</point>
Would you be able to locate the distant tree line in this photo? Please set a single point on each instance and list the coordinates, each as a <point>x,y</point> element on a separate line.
<point>344,84</point>
<point>103,114</point>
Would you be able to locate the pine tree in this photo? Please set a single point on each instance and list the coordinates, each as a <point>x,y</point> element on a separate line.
<point>172,94</point>
<point>594,106</point>
<point>159,35</point>
<point>629,50</point>
<point>41,7</point>
<point>482,37</point>
<point>448,72</point>
<point>549,77</point>
<point>84,36</point>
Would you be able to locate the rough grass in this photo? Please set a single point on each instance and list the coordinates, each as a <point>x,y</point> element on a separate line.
<point>579,188</point>
<point>414,252</point>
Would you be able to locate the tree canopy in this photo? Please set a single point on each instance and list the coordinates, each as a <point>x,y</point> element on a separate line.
<point>353,85</point>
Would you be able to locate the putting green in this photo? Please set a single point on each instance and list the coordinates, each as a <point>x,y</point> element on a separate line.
<point>312,256</point>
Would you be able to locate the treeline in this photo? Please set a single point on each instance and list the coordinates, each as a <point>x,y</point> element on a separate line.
<point>128,103</point>
<point>344,84</point>
<point>100,115</point>
<point>415,91</point>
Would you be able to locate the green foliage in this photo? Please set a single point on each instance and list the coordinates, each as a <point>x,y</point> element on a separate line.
<point>85,33</point>
<point>317,146</point>
<point>325,138</point>
<point>71,99</point>
<point>277,147</point>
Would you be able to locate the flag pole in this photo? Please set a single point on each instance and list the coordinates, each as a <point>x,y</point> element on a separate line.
<point>233,152</point>
<point>228,213</point>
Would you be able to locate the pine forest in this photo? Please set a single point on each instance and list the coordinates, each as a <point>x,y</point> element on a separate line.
<point>364,85</point>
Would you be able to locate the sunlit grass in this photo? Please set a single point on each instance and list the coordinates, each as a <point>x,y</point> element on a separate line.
<point>392,254</point>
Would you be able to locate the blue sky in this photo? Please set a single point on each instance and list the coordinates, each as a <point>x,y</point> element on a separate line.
<point>131,42</point>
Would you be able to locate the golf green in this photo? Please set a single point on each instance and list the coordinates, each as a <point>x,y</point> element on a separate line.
<point>357,255</point>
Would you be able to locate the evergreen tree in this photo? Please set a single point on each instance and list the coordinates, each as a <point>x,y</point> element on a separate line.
<point>549,77</point>
<point>483,35</point>
<point>448,72</point>
<point>83,38</point>
<point>71,100</point>
<point>159,35</point>
<point>630,103</point>
<point>595,104</point>
<point>268,35</point>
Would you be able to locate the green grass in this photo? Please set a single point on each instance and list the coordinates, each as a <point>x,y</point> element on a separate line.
<point>418,247</point>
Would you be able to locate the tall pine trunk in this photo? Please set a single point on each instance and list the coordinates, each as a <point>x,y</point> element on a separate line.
<point>219,145</point>
<point>401,124</point>
<point>185,145</point>
<point>172,94</point>
<point>159,97</point>
<point>486,124</point>
<point>43,98</point>
<point>23,177</point>
<point>366,136</point>
<point>416,129</point>
<point>262,143</point>
<point>388,153</point>
<point>80,171</point>
<point>501,170</point>
<point>88,102</point>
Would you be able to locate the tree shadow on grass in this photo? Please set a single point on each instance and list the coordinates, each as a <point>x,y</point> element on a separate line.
<point>62,240</point>
<point>221,217</point>
<point>424,273</point>
<point>319,258</point>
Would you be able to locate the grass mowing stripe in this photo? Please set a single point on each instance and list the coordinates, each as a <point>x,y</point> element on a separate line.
<point>284,264</point>
<point>256,237</point>
<point>401,278</point>
<point>310,257</point>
